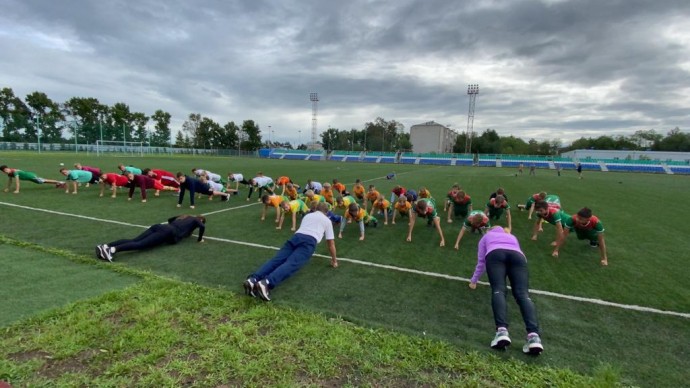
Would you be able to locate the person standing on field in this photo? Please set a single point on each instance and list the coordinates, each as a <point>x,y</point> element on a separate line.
<point>294,254</point>
<point>499,254</point>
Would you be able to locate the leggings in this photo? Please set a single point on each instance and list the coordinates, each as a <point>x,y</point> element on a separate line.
<point>502,264</point>
<point>154,236</point>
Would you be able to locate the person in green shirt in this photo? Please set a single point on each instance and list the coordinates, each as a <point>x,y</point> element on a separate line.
<point>16,175</point>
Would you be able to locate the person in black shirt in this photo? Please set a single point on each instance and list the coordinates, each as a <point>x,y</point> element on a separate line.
<point>195,186</point>
<point>177,228</point>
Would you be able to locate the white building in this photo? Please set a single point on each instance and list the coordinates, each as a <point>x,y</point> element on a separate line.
<point>432,137</point>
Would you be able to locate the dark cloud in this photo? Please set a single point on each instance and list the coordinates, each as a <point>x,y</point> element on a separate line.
<point>546,68</point>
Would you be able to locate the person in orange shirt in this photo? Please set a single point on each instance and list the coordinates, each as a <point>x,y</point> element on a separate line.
<point>403,207</point>
<point>372,195</point>
<point>282,182</point>
<point>272,201</point>
<point>339,187</point>
<point>383,206</point>
<point>291,191</point>
<point>424,193</point>
<point>327,193</point>
<point>360,216</point>
<point>358,191</point>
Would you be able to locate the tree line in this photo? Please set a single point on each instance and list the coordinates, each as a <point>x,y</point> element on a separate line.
<point>86,120</point>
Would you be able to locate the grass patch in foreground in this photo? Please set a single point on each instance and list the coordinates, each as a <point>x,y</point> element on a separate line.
<point>167,333</point>
<point>35,280</point>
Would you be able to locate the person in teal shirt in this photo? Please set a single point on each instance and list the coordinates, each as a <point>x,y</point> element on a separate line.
<point>125,169</point>
<point>76,177</point>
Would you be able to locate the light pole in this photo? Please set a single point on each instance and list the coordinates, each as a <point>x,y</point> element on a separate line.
<point>300,138</point>
<point>269,137</point>
<point>76,145</point>
<point>38,131</point>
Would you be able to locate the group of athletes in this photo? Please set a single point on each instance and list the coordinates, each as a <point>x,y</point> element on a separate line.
<point>365,205</point>
<point>329,207</point>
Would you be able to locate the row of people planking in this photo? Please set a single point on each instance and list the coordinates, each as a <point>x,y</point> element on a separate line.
<point>359,206</point>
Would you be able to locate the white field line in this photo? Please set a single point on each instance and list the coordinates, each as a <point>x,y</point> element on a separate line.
<point>384,266</point>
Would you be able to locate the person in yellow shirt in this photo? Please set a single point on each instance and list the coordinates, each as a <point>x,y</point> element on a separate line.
<point>310,197</point>
<point>292,207</point>
<point>402,207</point>
<point>274,201</point>
<point>343,202</point>
<point>360,216</point>
<point>382,205</point>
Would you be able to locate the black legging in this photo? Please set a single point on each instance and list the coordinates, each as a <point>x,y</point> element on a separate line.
<point>156,235</point>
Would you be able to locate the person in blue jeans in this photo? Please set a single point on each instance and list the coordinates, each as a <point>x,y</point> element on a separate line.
<point>294,254</point>
<point>500,255</point>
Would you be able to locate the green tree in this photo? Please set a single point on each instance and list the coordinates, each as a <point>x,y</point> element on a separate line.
<point>46,116</point>
<point>190,128</point>
<point>16,116</point>
<point>252,133</point>
<point>231,134</point>
<point>512,145</point>
<point>161,133</point>
<point>140,122</point>
<point>82,115</point>
<point>675,140</point>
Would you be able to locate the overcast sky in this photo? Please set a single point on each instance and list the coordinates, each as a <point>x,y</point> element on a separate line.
<point>546,69</point>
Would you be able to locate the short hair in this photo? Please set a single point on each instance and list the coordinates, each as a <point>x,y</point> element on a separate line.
<point>421,205</point>
<point>500,190</point>
<point>542,194</point>
<point>264,198</point>
<point>353,208</point>
<point>322,207</point>
<point>541,205</point>
<point>309,193</point>
<point>585,212</point>
<point>4,166</point>
<point>179,174</point>
<point>500,199</point>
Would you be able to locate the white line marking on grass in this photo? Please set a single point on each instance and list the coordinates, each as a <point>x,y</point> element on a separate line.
<point>230,208</point>
<point>385,266</point>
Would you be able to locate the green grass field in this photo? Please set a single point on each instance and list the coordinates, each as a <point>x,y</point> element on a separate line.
<point>644,216</point>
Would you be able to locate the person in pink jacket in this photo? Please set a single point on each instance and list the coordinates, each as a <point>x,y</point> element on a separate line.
<point>499,254</point>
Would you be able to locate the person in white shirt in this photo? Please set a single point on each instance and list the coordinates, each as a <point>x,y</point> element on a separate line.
<point>237,178</point>
<point>209,175</point>
<point>294,254</point>
<point>260,183</point>
<point>314,186</point>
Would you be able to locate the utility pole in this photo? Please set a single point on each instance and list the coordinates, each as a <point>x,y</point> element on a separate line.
<point>472,91</point>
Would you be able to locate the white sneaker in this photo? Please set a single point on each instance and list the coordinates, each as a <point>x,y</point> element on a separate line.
<point>107,252</point>
<point>533,345</point>
<point>501,339</point>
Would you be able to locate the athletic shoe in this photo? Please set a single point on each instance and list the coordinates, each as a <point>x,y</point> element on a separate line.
<point>533,345</point>
<point>99,252</point>
<point>501,340</point>
<point>261,289</point>
<point>593,244</point>
<point>225,198</point>
<point>249,285</point>
<point>376,222</point>
<point>107,253</point>
<point>60,185</point>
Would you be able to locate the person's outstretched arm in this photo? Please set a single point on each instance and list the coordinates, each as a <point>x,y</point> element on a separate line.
<point>331,249</point>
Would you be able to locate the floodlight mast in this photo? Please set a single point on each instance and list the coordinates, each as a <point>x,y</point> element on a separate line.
<point>314,98</point>
<point>472,91</point>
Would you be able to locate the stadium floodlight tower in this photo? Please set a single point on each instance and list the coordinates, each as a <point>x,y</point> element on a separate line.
<point>314,98</point>
<point>472,91</point>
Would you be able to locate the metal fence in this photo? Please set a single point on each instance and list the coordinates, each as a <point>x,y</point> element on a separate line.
<point>115,149</point>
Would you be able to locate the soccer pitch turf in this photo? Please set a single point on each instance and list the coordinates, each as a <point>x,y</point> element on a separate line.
<point>632,314</point>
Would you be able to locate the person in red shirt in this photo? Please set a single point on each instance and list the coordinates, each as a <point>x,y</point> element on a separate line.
<point>113,180</point>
